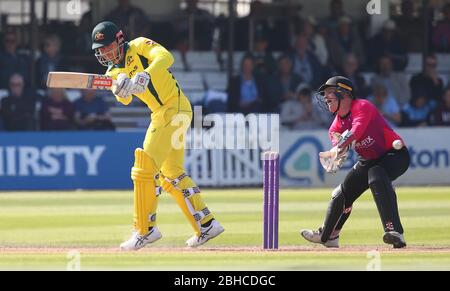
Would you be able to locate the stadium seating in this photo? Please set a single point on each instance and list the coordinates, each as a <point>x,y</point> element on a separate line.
<point>207,71</point>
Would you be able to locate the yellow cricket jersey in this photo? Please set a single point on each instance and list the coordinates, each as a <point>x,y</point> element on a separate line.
<point>143,54</point>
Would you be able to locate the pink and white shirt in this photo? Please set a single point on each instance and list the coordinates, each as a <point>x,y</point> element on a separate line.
<point>370,130</point>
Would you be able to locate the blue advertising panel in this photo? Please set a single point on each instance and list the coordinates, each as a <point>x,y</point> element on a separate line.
<point>67,160</point>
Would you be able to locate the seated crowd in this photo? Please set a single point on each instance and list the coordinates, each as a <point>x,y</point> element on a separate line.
<point>311,52</point>
<point>23,110</point>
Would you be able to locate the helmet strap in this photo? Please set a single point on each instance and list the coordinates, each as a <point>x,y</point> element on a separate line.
<point>339,106</point>
<point>339,97</point>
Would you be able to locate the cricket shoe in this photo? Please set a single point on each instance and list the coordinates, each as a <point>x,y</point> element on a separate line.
<point>207,233</point>
<point>138,241</point>
<point>394,238</point>
<point>315,236</point>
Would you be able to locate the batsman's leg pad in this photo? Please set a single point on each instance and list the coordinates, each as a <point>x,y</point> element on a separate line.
<point>187,195</point>
<point>385,198</point>
<point>145,192</point>
<point>335,210</point>
<point>158,192</point>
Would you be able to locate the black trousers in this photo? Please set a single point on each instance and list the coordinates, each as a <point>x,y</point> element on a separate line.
<point>377,175</point>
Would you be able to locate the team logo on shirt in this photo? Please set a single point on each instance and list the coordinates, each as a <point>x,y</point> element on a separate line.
<point>365,143</point>
<point>129,60</point>
<point>131,74</point>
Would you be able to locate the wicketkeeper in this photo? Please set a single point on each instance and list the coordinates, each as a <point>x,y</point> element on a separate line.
<point>141,69</point>
<point>383,157</point>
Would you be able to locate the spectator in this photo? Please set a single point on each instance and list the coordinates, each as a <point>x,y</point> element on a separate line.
<point>203,26</point>
<point>350,69</point>
<point>411,33</point>
<point>17,110</point>
<point>418,111</point>
<point>386,104</point>
<point>11,61</point>
<point>395,82</point>
<point>441,116</point>
<point>92,112</point>
<point>50,60</point>
<point>290,112</point>
<point>283,84</point>
<point>387,43</point>
<point>345,42</point>
<point>57,113</point>
<point>336,13</point>
<point>280,28</point>
<point>428,81</point>
<point>306,64</point>
<point>215,101</point>
<point>441,32</point>
<point>84,34</point>
<point>131,19</point>
<point>245,91</point>
<point>259,18</point>
<point>317,40</point>
<point>265,64</point>
<point>300,113</point>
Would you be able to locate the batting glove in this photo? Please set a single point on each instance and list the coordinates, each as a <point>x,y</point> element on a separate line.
<point>124,86</point>
<point>140,82</point>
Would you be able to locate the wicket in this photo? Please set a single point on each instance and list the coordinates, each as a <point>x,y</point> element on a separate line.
<point>271,168</point>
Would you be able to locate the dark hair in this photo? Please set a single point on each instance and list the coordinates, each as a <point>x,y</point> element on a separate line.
<point>422,93</point>
<point>431,55</point>
<point>247,56</point>
<point>305,92</point>
<point>9,32</point>
<point>384,56</point>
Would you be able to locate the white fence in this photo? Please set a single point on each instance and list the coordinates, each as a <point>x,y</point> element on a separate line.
<point>299,164</point>
<point>224,168</point>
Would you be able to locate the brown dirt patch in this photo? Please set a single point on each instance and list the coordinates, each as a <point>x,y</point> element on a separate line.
<point>292,249</point>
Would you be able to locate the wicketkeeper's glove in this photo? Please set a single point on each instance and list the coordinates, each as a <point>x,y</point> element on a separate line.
<point>335,158</point>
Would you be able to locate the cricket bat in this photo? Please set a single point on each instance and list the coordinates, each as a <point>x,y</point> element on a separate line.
<point>70,80</point>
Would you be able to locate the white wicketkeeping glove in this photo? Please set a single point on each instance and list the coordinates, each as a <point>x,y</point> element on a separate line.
<point>140,82</point>
<point>333,159</point>
<point>328,160</point>
<point>124,87</point>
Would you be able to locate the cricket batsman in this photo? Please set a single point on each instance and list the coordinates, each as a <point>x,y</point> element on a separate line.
<point>141,69</point>
<point>383,158</point>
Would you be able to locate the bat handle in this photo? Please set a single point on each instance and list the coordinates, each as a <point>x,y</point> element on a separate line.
<point>114,84</point>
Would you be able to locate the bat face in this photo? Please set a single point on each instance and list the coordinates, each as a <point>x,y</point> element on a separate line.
<point>71,80</point>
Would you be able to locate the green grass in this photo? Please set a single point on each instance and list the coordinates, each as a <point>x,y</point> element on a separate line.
<point>85,220</point>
